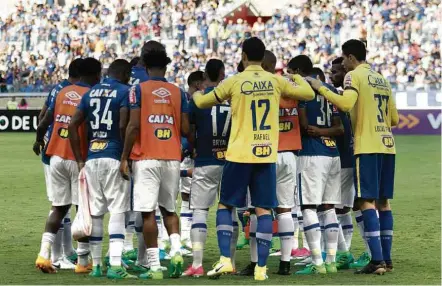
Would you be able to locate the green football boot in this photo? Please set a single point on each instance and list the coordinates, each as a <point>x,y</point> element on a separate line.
<point>242,241</point>
<point>343,260</point>
<point>312,269</point>
<point>96,271</point>
<point>331,267</point>
<point>131,254</point>
<point>118,272</point>
<point>361,262</point>
<point>176,266</point>
<point>73,258</point>
<point>151,274</point>
<point>276,244</point>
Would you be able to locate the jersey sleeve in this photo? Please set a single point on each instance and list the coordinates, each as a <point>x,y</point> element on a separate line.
<point>296,87</point>
<point>393,110</point>
<point>218,95</point>
<point>344,102</point>
<point>351,81</point>
<point>192,112</point>
<point>84,103</point>
<point>135,97</point>
<point>50,97</point>
<point>184,102</point>
<point>52,100</point>
<point>124,102</point>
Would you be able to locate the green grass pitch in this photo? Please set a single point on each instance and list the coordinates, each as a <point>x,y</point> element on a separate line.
<point>417,225</point>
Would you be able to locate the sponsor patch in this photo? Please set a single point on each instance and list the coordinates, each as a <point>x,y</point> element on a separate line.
<point>73,95</point>
<point>347,80</point>
<point>98,145</point>
<point>163,133</point>
<point>132,96</point>
<point>262,151</point>
<point>388,141</point>
<point>63,132</point>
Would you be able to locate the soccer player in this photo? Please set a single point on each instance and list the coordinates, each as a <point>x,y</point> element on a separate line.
<point>252,149</point>
<point>368,97</point>
<point>105,107</point>
<point>195,82</point>
<point>64,170</point>
<point>319,182</point>
<point>158,118</point>
<point>63,255</point>
<point>343,210</point>
<point>212,128</point>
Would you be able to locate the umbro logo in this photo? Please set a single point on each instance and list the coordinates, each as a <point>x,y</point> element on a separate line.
<point>162,92</point>
<point>73,95</point>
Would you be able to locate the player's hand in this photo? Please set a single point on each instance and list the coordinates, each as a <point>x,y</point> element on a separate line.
<point>190,173</point>
<point>80,165</point>
<point>38,147</point>
<point>124,169</point>
<point>314,83</point>
<point>313,131</point>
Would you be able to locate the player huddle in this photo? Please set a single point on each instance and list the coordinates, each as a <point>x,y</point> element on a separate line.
<point>289,149</point>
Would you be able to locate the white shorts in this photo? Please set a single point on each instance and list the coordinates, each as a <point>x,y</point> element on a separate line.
<point>47,171</point>
<point>286,179</point>
<point>205,183</point>
<point>108,191</point>
<point>185,182</point>
<point>320,180</point>
<point>64,181</point>
<point>347,188</point>
<point>155,182</point>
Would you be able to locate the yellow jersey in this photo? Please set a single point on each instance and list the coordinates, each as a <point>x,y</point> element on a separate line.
<point>373,113</point>
<point>254,99</point>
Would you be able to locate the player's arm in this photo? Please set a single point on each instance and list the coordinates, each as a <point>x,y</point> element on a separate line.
<point>300,90</point>
<point>394,113</point>
<point>124,115</point>
<point>132,130</point>
<point>74,137</point>
<point>218,95</point>
<point>344,102</point>
<point>303,119</point>
<point>337,129</point>
<point>42,128</point>
<point>45,107</point>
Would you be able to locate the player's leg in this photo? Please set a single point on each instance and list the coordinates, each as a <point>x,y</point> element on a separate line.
<point>249,270</point>
<point>310,188</point>
<point>285,192</point>
<point>367,175</point>
<point>62,199</point>
<point>384,208</point>
<point>147,180</point>
<point>166,201</point>
<point>129,217</point>
<point>185,211</point>
<point>263,197</point>
<point>68,248</point>
<point>233,192</point>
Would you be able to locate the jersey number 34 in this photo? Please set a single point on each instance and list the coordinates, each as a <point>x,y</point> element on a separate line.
<point>106,114</point>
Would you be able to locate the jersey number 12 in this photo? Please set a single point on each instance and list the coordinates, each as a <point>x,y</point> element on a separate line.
<point>107,114</point>
<point>261,103</point>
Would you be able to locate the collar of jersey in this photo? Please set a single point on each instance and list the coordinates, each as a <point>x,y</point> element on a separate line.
<point>111,80</point>
<point>208,89</point>
<point>363,66</point>
<point>254,68</point>
<point>82,84</point>
<point>157,78</point>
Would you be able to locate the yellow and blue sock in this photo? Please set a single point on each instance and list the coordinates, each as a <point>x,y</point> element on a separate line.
<point>386,227</point>
<point>264,238</point>
<point>224,230</point>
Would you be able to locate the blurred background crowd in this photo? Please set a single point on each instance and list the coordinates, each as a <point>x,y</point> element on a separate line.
<point>39,38</point>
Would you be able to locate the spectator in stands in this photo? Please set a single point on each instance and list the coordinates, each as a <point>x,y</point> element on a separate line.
<point>23,104</point>
<point>12,104</point>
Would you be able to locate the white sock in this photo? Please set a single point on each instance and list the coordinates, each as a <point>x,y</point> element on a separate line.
<point>347,227</point>
<point>301,229</point>
<point>234,238</point>
<point>331,233</point>
<point>141,256</point>
<point>161,229</point>
<point>129,231</point>
<point>68,247</point>
<point>198,235</point>
<point>360,222</point>
<point>321,224</point>
<point>153,257</point>
<point>83,251</point>
<point>46,242</point>
<point>175,244</point>
<point>342,246</point>
<point>295,243</point>
<point>56,249</point>
<point>185,220</point>
<point>96,240</point>
<point>252,241</point>
<point>116,238</point>
<point>285,230</point>
<point>312,232</point>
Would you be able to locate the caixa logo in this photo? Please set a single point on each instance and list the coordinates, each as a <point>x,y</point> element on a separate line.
<point>262,151</point>
<point>163,133</point>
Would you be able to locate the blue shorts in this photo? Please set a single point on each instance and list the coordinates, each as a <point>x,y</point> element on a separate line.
<point>259,177</point>
<point>374,176</point>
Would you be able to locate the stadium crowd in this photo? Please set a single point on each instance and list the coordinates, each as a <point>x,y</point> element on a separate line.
<point>38,41</point>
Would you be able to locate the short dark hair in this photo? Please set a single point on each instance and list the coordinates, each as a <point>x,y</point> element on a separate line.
<point>240,67</point>
<point>195,77</point>
<point>151,46</point>
<point>74,68</point>
<point>134,61</point>
<point>356,48</point>
<point>301,63</point>
<point>213,68</point>
<point>119,69</point>
<point>254,49</point>
<point>156,59</point>
<point>90,67</point>
<point>318,72</point>
<point>338,61</point>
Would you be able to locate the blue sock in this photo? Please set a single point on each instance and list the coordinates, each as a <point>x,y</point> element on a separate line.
<point>240,214</point>
<point>224,230</point>
<point>264,238</point>
<point>372,234</point>
<point>386,226</point>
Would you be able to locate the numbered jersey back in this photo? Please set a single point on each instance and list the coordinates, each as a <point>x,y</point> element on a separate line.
<point>64,108</point>
<point>212,132</point>
<point>138,75</point>
<point>320,114</point>
<point>102,105</point>
<point>371,119</point>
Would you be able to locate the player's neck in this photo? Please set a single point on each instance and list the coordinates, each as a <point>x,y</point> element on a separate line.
<point>211,84</point>
<point>358,64</point>
<point>250,63</point>
<point>73,80</point>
